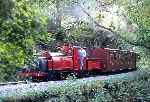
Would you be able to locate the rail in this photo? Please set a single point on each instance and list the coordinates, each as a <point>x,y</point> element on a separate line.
<point>13,83</point>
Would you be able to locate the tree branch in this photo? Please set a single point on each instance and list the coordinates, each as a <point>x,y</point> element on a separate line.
<point>134,43</point>
<point>130,42</point>
<point>97,24</point>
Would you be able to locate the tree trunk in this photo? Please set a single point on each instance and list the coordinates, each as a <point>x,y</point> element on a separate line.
<point>58,15</point>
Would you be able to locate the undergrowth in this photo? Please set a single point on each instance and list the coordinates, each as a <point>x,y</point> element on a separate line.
<point>135,90</point>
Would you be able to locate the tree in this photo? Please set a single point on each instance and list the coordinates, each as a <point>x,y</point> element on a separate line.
<point>21,28</point>
<point>138,13</point>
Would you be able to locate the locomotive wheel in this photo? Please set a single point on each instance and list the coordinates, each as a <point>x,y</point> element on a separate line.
<point>53,76</point>
<point>82,74</point>
<point>27,79</point>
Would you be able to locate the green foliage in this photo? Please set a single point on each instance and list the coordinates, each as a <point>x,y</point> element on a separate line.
<point>138,13</point>
<point>23,28</point>
<point>131,90</point>
<point>144,53</point>
<point>5,8</point>
<point>97,91</point>
<point>76,30</point>
<point>144,57</point>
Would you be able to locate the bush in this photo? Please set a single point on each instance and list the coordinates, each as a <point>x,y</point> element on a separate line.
<point>128,89</point>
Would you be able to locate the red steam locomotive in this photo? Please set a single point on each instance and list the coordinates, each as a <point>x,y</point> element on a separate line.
<point>53,65</point>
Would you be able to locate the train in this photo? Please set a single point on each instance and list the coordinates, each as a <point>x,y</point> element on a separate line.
<point>57,65</point>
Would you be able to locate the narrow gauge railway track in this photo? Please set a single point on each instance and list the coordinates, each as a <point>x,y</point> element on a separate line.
<point>13,83</point>
<point>101,75</point>
<point>19,89</point>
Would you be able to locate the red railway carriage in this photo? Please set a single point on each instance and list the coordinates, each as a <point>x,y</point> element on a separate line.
<point>54,64</point>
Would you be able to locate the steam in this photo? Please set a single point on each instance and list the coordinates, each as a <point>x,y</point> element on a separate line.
<point>111,15</point>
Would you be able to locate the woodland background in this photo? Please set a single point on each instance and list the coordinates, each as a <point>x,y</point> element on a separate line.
<point>26,24</point>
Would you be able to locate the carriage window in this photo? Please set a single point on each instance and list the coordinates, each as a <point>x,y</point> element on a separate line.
<point>115,56</point>
<point>131,54</point>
